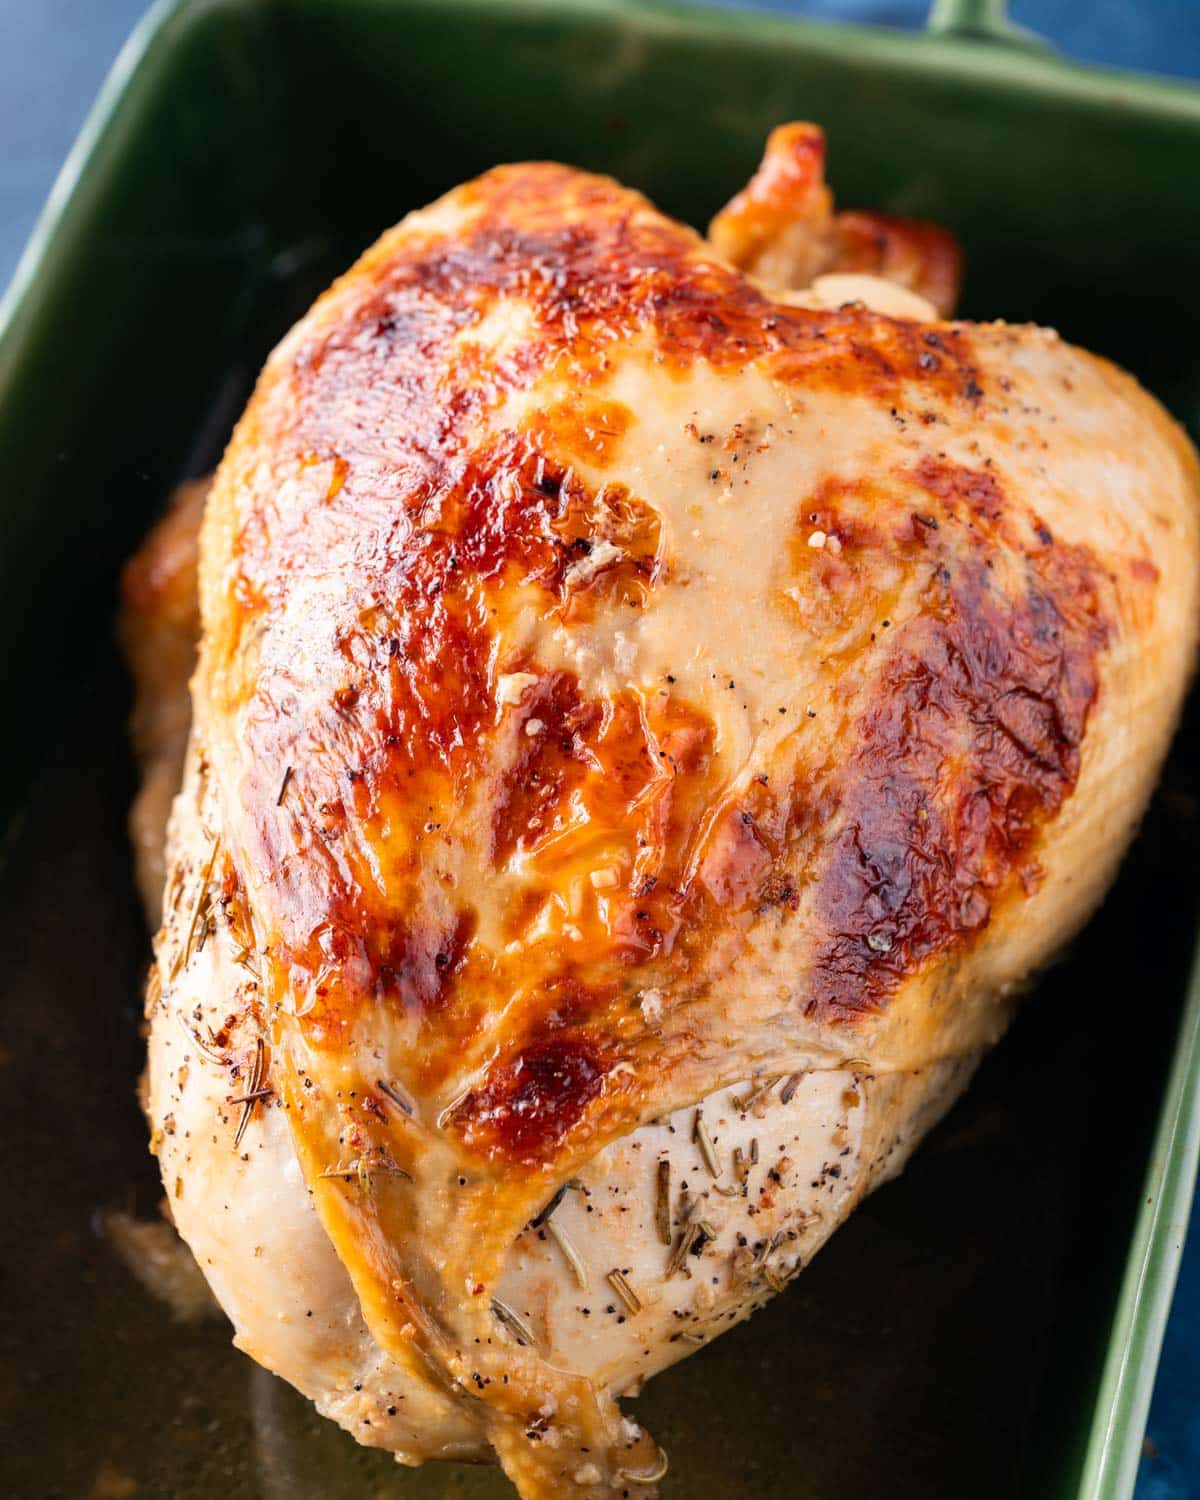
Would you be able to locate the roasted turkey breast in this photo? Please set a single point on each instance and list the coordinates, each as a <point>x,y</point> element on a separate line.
<point>659,701</point>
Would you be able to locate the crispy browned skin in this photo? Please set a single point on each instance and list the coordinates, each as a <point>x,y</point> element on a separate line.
<point>400,713</point>
<point>582,624</point>
<point>781,228</point>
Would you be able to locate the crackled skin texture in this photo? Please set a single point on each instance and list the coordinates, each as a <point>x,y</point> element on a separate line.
<point>621,687</point>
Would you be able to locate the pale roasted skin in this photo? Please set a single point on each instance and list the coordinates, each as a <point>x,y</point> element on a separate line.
<point>648,728</point>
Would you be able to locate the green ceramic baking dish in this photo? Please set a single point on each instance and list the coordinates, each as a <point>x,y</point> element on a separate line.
<point>989,1325</point>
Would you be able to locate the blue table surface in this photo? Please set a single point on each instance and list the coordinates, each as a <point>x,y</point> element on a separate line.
<point>53,56</point>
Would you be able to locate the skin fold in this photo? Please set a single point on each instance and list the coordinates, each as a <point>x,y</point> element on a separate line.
<point>659,701</point>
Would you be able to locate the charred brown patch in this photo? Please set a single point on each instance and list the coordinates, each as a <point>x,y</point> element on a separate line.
<point>550,763</point>
<point>415,965</point>
<point>975,493</point>
<point>530,1102</point>
<point>971,745</point>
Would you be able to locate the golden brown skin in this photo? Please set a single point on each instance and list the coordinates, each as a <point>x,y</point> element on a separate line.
<point>582,624</point>
<point>781,228</point>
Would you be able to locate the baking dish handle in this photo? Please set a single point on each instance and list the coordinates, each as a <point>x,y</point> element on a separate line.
<point>982,20</point>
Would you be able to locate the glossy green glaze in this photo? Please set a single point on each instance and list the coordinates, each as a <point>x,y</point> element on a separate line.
<point>986,1327</point>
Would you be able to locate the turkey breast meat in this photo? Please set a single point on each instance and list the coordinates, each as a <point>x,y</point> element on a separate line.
<point>658,702</point>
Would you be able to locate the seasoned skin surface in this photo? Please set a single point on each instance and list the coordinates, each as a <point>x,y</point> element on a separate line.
<point>625,693</point>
